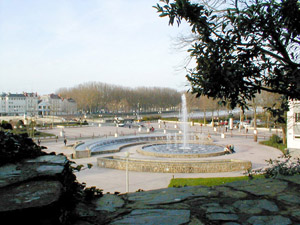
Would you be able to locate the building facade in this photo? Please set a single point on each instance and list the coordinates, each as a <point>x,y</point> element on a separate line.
<point>12,104</point>
<point>31,104</point>
<point>293,125</point>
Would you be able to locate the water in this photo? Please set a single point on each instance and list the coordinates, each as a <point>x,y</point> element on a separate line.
<point>184,122</point>
<point>178,149</point>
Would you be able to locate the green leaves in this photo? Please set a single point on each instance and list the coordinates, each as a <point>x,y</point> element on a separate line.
<point>242,50</point>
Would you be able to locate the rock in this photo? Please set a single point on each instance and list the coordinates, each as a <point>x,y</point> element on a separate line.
<point>155,216</point>
<point>31,169</point>
<point>109,203</point>
<point>195,221</point>
<point>269,220</point>
<point>291,199</point>
<point>37,191</point>
<point>255,206</point>
<point>260,187</point>
<point>49,159</point>
<point>163,196</point>
<point>30,195</point>
<point>230,193</point>
<point>222,217</point>
<point>293,179</point>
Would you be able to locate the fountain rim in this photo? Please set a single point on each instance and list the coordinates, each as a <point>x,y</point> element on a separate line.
<point>191,155</point>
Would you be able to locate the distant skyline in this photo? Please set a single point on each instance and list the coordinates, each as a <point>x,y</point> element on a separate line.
<point>46,45</point>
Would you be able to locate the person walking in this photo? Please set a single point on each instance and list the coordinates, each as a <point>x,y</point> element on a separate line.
<point>65,141</point>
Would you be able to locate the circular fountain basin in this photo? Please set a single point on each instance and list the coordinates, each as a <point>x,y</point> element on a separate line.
<point>177,150</point>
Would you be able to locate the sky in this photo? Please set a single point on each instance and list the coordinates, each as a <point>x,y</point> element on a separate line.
<point>46,45</point>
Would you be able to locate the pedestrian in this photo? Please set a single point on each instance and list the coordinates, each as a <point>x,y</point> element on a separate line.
<point>39,142</point>
<point>65,141</point>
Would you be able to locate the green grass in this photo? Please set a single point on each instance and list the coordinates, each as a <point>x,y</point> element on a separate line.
<point>36,133</point>
<point>180,182</point>
<point>279,146</point>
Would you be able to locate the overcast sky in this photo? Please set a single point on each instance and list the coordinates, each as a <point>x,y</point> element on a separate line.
<point>49,44</point>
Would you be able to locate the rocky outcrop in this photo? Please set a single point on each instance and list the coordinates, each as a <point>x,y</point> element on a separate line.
<point>262,201</point>
<point>37,191</point>
<point>43,191</point>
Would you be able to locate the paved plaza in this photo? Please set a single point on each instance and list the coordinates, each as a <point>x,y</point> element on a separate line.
<point>111,180</point>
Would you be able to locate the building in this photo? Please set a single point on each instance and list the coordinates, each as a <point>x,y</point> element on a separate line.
<point>2,104</point>
<point>69,106</point>
<point>32,100</point>
<point>293,125</point>
<point>12,104</point>
<point>31,104</point>
<point>44,108</point>
<point>54,102</point>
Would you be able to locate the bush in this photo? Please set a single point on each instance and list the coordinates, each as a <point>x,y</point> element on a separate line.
<point>6,125</point>
<point>151,118</point>
<point>14,148</point>
<point>284,165</point>
<point>275,139</point>
<point>276,142</point>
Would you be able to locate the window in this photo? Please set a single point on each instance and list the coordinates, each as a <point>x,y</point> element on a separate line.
<point>297,117</point>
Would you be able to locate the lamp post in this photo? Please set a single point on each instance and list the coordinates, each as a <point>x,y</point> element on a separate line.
<point>127,172</point>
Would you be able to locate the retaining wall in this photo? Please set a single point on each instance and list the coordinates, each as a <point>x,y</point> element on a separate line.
<point>160,166</point>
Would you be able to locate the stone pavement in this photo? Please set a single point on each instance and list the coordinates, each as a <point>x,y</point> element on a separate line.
<point>261,201</point>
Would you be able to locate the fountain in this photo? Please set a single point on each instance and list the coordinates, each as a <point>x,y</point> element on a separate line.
<point>184,122</point>
<point>186,148</point>
<point>151,150</point>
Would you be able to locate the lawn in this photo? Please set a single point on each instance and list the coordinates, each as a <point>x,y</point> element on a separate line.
<point>213,181</point>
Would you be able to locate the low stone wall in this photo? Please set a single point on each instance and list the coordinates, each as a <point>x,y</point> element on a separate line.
<point>160,166</point>
<point>82,154</point>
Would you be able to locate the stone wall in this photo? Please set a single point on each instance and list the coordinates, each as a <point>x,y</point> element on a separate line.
<point>160,166</point>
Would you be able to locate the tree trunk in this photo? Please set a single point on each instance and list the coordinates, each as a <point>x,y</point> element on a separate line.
<point>283,127</point>
<point>204,115</point>
<point>241,119</point>
<point>254,121</point>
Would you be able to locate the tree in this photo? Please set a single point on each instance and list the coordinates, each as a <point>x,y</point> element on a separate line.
<point>249,47</point>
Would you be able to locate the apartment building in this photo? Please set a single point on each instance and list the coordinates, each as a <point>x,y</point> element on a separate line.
<point>12,104</point>
<point>53,104</point>
<point>31,104</point>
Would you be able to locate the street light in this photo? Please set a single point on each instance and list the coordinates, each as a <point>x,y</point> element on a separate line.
<point>127,172</point>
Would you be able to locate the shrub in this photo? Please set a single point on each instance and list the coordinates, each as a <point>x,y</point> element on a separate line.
<point>275,139</point>
<point>276,142</point>
<point>6,125</point>
<point>14,148</point>
<point>151,118</point>
<point>284,165</point>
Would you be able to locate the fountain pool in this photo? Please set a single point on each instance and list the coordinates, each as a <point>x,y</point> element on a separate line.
<point>175,148</point>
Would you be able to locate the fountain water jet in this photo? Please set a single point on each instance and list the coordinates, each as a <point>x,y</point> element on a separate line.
<point>184,122</point>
